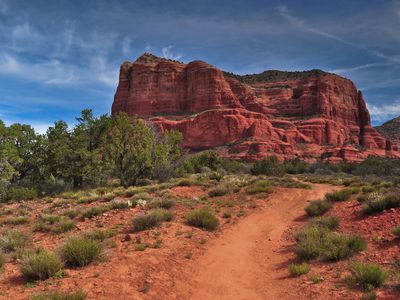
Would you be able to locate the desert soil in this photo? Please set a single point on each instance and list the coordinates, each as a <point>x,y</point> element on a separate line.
<point>250,260</point>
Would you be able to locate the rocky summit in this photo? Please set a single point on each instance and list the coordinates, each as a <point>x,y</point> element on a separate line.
<point>312,114</point>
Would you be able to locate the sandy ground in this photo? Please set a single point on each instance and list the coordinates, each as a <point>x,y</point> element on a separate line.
<point>250,260</point>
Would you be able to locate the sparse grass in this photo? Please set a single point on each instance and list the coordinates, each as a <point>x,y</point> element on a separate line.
<point>3,260</point>
<point>396,231</point>
<point>326,222</point>
<point>317,208</point>
<point>40,264</point>
<point>71,213</point>
<point>368,276</point>
<point>49,219</point>
<point>227,214</point>
<point>377,202</point>
<point>162,203</point>
<point>95,211</point>
<point>77,295</point>
<point>12,240</point>
<point>62,225</point>
<point>218,191</point>
<point>119,204</point>
<point>342,195</point>
<point>19,220</point>
<point>202,218</point>
<point>140,247</point>
<point>261,186</point>
<point>153,219</point>
<point>81,251</point>
<point>299,269</point>
<point>319,242</point>
<point>99,235</point>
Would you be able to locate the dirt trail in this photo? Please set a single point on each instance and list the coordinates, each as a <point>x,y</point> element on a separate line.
<point>250,260</point>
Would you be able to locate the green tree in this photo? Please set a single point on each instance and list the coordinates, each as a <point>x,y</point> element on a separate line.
<point>130,148</point>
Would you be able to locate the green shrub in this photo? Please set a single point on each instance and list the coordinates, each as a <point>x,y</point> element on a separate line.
<point>49,219</point>
<point>195,163</point>
<point>12,240</point>
<point>18,220</point>
<point>20,193</point>
<point>95,211</point>
<point>202,218</point>
<point>99,235</point>
<point>3,260</point>
<point>326,222</point>
<point>218,191</point>
<point>64,225</point>
<point>377,202</point>
<point>342,195</point>
<point>396,231</point>
<point>269,166</point>
<point>260,186</point>
<point>140,246</point>
<point>119,204</point>
<point>299,269</point>
<point>71,213</point>
<point>40,264</point>
<point>150,220</point>
<point>77,295</point>
<point>320,242</point>
<point>317,208</point>
<point>295,166</point>
<point>368,276</point>
<point>162,203</point>
<point>80,251</point>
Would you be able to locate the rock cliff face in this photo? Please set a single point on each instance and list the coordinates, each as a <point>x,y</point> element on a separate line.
<point>391,130</point>
<point>311,114</point>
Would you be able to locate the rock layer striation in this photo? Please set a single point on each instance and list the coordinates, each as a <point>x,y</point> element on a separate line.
<point>311,114</point>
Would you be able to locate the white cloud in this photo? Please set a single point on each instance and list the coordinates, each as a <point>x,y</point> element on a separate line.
<point>47,72</point>
<point>360,67</point>
<point>126,46</point>
<point>284,12</point>
<point>385,112</point>
<point>169,54</point>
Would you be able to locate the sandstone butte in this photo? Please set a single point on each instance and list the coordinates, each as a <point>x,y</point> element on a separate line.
<point>313,114</point>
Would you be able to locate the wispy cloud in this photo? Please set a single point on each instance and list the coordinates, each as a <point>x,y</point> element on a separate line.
<point>47,72</point>
<point>167,52</point>
<point>385,112</point>
<point>299,23</point>
<point>360,67</point>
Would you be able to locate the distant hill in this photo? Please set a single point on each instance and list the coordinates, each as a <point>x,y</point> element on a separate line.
<point>390,130</point>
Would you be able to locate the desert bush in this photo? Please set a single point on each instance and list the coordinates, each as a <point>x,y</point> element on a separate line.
<point>40,264</point>
<point>299,269</point>
<point>317,208</point>
<point>326,222</point>
<point>77,295</point>
<point>269,166</point>
<point>3,260</point>
<point>260,186</point>
<point>17,220</point>
<point>120,204</point>
<point>80,251</point>
<point>396,231</point>
<point>49,219</point>
<point>202,218</point>
<point>20,193</point>
<point>162,203</point>
<point>342,195</point>
<point>64,225</point>
<point>377,202</point>
<point>368,276</point>
<point>320,242</point>
<point>12,240</point>
<point>71,213</point>
<point>218,191</point>
<point>369,296</point>
<point>150,220</point>
<point>195,163</point>
<point>99,235</point>
<point>295,166</point>
<point>95,211</point>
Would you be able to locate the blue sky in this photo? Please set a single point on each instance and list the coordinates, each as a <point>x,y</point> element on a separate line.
<point>59,57</point>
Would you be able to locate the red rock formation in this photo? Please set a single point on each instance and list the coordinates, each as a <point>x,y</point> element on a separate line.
<point>311,114</point>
